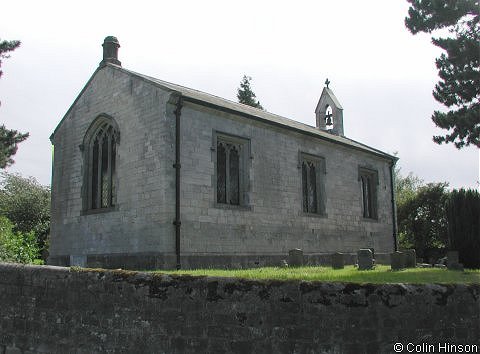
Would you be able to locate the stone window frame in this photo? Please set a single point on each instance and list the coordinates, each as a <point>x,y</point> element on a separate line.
<point>244,145</point>
<point>319,163</point>
<point>99,124</point>
<point>368,184</point>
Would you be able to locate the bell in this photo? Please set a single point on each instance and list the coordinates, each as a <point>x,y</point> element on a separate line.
<point>328,119</point>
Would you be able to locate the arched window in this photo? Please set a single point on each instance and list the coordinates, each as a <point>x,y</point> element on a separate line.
<point>228,173</point>
<point>101,150</point>
<point>230,169</point>
<point>313,180</point>
<point>368,185</point>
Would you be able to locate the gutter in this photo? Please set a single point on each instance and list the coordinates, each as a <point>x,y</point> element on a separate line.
<point>177,222</point>
<point>394,208</point>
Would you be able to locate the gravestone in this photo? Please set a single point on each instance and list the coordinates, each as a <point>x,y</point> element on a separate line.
<point>365,259</point>
<point>452,261</point>
<point>295,257</point>
<point>338,261</point>
<point>452,257</point>
<point>397,260</point>
<point>410,258</point>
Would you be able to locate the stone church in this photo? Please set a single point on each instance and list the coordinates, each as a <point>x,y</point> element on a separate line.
<point>149,174</point>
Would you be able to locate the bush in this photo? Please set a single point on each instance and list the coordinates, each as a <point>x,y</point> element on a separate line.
<point>463,210</point>
<point>16,246</point>
<point>26,204</point>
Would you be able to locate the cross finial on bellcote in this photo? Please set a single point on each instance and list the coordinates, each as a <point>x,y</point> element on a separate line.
<point>327,82</point>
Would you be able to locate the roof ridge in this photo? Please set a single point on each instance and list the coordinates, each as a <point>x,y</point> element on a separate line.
<point>212,95</point>
<point>220,103</point>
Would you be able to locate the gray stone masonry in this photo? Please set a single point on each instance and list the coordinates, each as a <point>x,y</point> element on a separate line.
<point>338,261</point>
<point>365,259</point>
<point>138,232</point>
<point>61,310</point>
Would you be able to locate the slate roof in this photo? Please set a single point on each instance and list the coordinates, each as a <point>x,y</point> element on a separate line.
<point>250,112</point>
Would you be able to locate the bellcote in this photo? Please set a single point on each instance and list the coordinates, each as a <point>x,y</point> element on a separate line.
<point>329,112</point>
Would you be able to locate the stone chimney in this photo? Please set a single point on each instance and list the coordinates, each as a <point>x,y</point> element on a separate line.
<point>110,51</point>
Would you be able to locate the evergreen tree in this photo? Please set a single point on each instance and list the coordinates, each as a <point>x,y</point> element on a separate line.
<point>458,67</point>
<point>8,138</point>
<point>463,210</point>
<point>245,94</point>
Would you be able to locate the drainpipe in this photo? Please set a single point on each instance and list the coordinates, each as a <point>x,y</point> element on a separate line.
<point>394,211</point>
<point>177,166</point>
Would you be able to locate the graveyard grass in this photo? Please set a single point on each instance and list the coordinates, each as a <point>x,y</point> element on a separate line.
<point>380,275</point>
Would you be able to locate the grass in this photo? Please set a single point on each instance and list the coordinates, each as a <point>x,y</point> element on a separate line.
<point>381,274</point>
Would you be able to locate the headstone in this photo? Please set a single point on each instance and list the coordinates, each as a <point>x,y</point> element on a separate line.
<point>338,261</point>
<point>295,257</point>
<point>365,259</point>
<point>397,260</point>
<point>452,261</point>
<point>410,258</point>
<point>452,257</point>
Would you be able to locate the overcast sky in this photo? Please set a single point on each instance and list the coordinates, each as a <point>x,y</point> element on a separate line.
<point>382,75</point>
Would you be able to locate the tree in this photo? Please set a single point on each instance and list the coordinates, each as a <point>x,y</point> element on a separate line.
<point>245,94</point>
<point>26,204</point>
<point>8,138</point>
<point>459,85</point>
<point>421,217</point>
<point>406,187</point>
<point>463,210</point>
<point>8,145</point>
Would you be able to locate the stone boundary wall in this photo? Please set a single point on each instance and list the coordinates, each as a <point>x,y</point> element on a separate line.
<point>47,309</point>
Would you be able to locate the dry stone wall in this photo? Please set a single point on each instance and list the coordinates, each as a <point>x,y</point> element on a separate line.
<point>61,310</point>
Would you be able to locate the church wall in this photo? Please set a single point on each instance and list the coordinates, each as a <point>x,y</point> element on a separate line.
<point>273,221</point>
<point>142,221</point>
<point>139,233</point>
